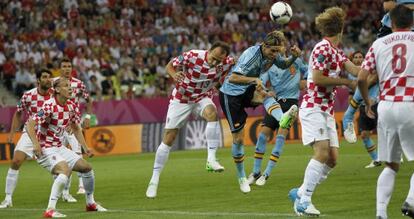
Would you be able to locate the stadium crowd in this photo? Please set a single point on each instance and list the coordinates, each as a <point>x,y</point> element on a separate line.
<point>120,48</point>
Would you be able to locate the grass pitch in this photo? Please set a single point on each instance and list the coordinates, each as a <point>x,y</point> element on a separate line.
<point>187,190</point>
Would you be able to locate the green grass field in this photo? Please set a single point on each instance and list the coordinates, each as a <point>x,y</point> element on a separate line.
<point>187,191</point>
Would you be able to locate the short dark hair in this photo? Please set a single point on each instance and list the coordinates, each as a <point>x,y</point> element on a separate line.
<point>41,71</point>
<point>223,45</point>
<point>401,16</point>
<point>64,60</point>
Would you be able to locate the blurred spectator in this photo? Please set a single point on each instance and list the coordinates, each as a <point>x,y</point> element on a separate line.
<point>25,80</point>
<point>95,88</point>
<point>126,38</point>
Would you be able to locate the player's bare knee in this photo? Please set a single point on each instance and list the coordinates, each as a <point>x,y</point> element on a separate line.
<point>82,166</point>
<point>266,131</point>
<point>238,141</point>
<point>169,136</point>
<point>210,113</point>
<point>211,117</point>
<point>331,163</point>
<point>16,163</point>
<point>364,134</point>
<point>62,168</point>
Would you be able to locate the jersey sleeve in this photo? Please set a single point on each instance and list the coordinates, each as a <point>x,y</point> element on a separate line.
<point>283,62</point>
<point>244,64</point>
<point>22,104</point>
<point>182,60</point>
<point>369,62</point>
<point>75,114</point>
<point>41,116</point>
<point>320,57</point>
<point>84,91</point>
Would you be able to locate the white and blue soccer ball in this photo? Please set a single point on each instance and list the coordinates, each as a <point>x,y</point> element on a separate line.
<point>281,12</point>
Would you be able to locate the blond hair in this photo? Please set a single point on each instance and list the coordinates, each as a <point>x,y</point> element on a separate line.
<point>274,38</point>
<point>331,21</point>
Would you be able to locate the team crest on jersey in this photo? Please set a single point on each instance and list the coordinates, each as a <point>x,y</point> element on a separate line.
<point>41,112</point>
<point>320,58</point>
<point>180,58</point>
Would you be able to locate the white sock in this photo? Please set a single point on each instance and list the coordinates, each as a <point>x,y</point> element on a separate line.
<point>325,172</point>
<point>312,175</point>
<point>385,187</point>
<point>80,181</point>
<point>213,139</point>
<point>56,191</point>
<point>410,196</point>
<point>89,185</point>
<point>11,181</point>
<point>67,186</point>
<point>161,157</point>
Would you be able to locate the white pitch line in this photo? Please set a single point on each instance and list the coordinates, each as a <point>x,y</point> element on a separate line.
<point>189,213</point>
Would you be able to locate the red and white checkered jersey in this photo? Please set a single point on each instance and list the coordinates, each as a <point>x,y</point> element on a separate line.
<point>32,101</point>
<point>392,57</point>
<point>53,119</point>
<point>200,78</point>
<point>78,90</point>
<point>330,60</point>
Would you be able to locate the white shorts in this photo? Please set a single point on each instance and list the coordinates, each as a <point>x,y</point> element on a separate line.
<point>73,142</point>
<point>178,113</point>
<point>395,131</point>
<point>318,126</point>
<point>25,145</point>
<point>53,155</point>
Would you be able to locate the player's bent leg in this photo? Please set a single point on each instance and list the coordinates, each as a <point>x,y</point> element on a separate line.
<point>66,196</point>
<point>288,117</point>
<point>274,157</point>
<point>62,171</point>
<point>273,108</point>
<point>264,135</point>
<point>312,177</point>
<point>88,177</point>
<point>12,176</point>
<point>213,138</point>
<point>385,187</point>
<point>329,165</point>
<point>371,148</point>
<point>161,158</point>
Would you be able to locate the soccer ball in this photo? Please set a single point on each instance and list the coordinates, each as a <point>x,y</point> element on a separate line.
<point>280,12</point>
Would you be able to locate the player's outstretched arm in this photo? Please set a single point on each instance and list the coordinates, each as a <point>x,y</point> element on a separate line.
<point>363,86</point>
<point>321,80</point>
<point>16,123</point>
<point>32,135</point>
<point>77,131</point>
<point>352,68</point>
<point>285,63</point>
<point>178,76</point>
<point>236,78</point>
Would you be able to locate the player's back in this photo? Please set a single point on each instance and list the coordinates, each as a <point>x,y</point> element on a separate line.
<point>394,61</point>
